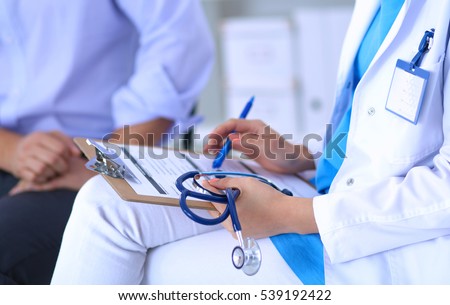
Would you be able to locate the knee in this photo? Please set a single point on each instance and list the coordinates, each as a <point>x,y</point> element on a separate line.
<point>97,199</point>
<point>92,194</point>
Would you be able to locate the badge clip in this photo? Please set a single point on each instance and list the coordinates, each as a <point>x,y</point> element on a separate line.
<point>409,82</point>
<point>424,46</point>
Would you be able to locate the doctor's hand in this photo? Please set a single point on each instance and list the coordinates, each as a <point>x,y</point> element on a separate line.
<point>258,141</point>
<point>264,211</point>
<point>41,156</point>
<point>75,176</point>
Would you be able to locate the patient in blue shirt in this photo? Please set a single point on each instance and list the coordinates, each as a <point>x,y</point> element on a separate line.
<point>83,68</point>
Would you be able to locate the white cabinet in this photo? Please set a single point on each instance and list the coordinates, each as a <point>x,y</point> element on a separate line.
<point>316,29</point>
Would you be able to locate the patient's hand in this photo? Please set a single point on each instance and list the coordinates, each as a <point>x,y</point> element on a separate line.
<point>41,156</point>
<point>75,176</point>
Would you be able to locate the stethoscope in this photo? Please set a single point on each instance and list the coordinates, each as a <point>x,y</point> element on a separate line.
<point>247,256</point>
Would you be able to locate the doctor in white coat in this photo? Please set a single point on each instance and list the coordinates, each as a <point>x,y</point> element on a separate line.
<point>384,220</point>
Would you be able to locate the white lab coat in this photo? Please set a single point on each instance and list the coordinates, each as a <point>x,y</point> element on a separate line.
<point>386,219</point>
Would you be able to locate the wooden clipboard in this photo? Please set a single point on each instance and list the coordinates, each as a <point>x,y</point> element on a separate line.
<point>126,192</point>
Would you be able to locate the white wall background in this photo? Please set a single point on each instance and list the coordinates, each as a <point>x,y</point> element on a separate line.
<point>318,24</point>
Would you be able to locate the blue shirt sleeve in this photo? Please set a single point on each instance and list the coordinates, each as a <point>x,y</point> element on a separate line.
<point>86,67</point>
<point>172,64</point>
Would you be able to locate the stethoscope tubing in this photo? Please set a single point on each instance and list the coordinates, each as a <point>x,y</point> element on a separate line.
<point>229,199</point>
<point>201,220</point>
<point>262,179</point>
<point>243,257</point>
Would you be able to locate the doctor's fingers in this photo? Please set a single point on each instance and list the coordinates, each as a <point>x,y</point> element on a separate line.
<point>220,208</point>
<point>243,184</point>
<point>226,224</point>
<point>239,126</point>
<point>253,192</point>
<point>212,186</point>
<point>251,146</point>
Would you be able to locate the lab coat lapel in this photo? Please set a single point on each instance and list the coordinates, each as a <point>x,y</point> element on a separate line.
<point>363,14</point>
<point>362,17</point>
<point>391,34</point>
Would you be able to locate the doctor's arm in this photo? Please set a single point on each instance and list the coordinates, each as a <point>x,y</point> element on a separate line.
<point>264,211</point>
<point>396,211</point>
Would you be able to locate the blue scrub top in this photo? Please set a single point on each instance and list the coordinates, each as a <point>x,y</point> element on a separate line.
<point>304,253</point>
<point>331,161</point>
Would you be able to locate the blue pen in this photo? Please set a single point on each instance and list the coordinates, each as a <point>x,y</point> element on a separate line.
<point>217,163</point>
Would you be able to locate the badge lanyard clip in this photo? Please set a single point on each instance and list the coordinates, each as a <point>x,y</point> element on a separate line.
<point>425,45</point>
<point>409,82</point>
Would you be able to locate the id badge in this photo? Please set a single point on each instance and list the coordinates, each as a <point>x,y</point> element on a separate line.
<point>407,91</point>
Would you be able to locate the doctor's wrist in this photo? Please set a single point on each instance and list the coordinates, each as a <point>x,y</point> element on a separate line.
<point>299,216</point>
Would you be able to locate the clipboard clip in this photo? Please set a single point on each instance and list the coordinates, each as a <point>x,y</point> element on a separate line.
<point>107,162</point>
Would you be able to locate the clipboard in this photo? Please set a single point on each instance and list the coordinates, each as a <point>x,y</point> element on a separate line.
<point>115,178</point>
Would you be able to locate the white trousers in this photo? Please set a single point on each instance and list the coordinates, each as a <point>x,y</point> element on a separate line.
<point>112,241</point>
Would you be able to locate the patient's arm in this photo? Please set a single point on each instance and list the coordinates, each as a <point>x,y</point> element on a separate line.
<point>76,174</point>
<point>36,157</point>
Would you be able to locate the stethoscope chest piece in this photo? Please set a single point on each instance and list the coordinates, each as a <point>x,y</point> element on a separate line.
<point>248,258</point>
